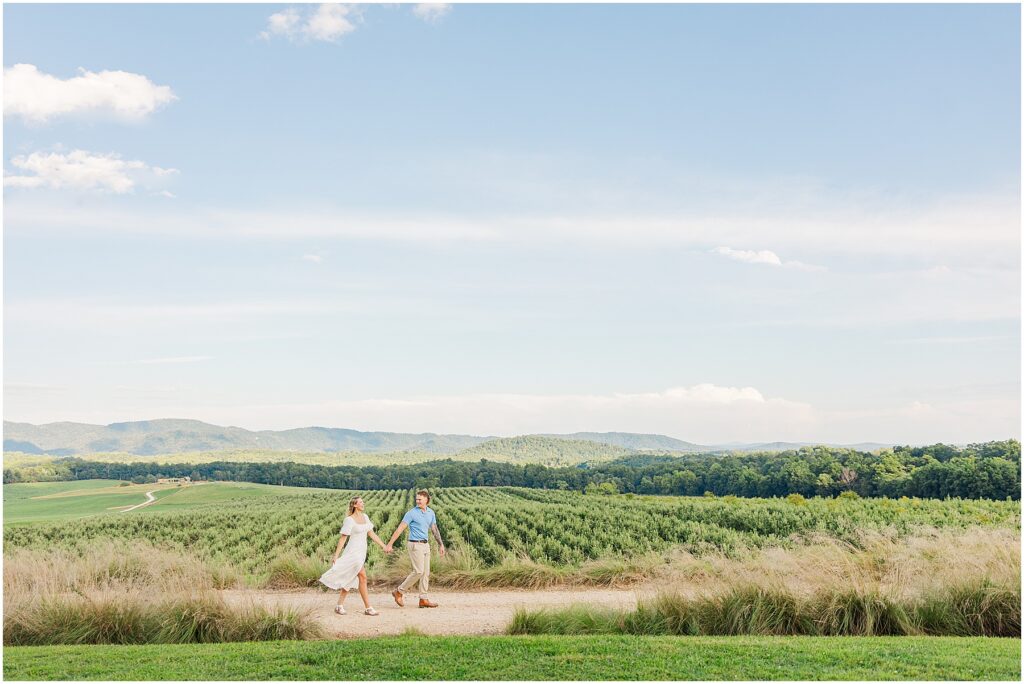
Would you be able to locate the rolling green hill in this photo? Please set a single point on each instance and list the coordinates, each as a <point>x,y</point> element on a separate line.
<point>172,436</point>
<point>543,450</point>
<point>529,449</point>
<point>151,437</point>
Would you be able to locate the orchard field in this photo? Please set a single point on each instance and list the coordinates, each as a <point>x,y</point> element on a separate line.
<point>250,527</point>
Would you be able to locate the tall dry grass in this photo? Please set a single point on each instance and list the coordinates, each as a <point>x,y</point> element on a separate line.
<point>964,583</point>
<point>876,562</point>
<point>979,609</point>
<point>109,565</point>
<point>131,594</point>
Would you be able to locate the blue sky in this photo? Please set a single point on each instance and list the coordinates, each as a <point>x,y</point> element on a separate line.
<point>722,223</point>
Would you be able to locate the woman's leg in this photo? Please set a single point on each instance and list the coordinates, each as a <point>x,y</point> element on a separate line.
<point>362,588</point>
<point>341,596</point>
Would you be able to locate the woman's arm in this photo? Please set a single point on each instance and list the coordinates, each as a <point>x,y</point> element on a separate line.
<point>374,537</point>
<point>341,545</point>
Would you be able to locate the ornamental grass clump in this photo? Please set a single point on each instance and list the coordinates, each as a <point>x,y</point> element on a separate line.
<point>294,571</point>
<point>138,618</point>
<point>979,609</point>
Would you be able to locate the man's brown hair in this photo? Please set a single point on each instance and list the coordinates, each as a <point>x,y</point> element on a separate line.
<point>425,493</point>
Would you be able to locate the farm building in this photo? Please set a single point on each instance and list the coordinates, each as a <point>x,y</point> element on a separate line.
<point>172,480</point>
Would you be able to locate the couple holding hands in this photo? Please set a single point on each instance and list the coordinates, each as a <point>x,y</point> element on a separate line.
<point>347,571</point>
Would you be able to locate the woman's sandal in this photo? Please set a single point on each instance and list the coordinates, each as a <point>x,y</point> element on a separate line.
<point>370,611</point>
<point>340,610</point>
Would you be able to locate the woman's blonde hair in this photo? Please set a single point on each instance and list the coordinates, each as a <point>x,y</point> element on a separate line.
<point>352,505</point>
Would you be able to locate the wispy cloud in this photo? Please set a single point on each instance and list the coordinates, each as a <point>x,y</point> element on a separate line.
<point>81,170</point>
<point>173,360</point>
<point>431,12</point>
<point>313,258</point>
<point>36,97</point>
<point>950,340</point>
<point>704,413</point>
<point>986,227</point>
<point>327,22</point>
<point>32,387</point>
<point>763,257</point>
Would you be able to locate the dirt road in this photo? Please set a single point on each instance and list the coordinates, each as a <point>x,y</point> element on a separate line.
<point>483,612</point>
<point>149,499</point>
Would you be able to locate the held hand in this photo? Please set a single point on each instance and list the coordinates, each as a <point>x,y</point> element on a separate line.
<point>387,548</point>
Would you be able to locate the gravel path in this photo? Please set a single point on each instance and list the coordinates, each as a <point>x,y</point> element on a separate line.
<point>478,612</point>
<point>149,499</point>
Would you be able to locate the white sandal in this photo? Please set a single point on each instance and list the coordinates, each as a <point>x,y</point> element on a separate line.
<point>370,611</point>
<point>340,610</point>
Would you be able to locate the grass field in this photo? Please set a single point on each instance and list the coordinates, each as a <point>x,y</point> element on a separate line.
<point>54,501</point>
<point>45,501</point>
<point>533,658</point>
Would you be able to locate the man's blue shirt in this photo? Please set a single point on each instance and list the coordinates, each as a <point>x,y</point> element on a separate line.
<point>419,523</point>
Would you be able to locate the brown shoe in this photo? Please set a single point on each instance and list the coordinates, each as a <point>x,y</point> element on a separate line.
<point>427,603</point>
<point>398,598</point>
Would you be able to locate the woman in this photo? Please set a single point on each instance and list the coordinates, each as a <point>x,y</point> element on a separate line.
<point>347,571</point>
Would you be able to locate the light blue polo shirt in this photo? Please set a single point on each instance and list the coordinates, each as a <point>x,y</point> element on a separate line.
<point>419,523</point>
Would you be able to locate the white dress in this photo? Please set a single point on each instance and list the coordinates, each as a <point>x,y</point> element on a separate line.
<point>344,574</point>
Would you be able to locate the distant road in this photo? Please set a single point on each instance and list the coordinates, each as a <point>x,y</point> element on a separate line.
<point>149,499</point>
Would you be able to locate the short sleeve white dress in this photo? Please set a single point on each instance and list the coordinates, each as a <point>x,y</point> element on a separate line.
<point>344,574</point>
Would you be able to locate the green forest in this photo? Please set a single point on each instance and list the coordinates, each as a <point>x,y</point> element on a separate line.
<point>989,470</point>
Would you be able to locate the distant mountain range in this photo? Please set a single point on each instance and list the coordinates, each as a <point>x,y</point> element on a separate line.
<point>168,436</point>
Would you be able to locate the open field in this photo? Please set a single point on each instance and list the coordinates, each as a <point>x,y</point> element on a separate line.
<point>534,658</point>
<point>208,564</point>
<point>497,536</point>
<point>51,501</point>
<point>43,501</point>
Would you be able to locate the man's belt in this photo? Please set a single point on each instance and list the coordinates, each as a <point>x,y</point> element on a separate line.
<point>417,541</point>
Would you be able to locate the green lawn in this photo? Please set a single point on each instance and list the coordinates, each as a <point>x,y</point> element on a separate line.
<point>533,658</point>
<point>84,498</point>
<point>219,492</point>
<point>28,490</point>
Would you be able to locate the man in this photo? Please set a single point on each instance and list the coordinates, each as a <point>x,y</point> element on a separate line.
<point>419,520</point>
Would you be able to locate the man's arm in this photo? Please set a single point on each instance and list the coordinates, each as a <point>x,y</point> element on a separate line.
<point>437,535</point>
<point>398,532</point>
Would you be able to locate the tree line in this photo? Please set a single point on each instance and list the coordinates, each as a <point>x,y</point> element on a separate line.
<point>989,470</point>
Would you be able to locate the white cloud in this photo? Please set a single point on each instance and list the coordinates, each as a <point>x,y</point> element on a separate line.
<point>81,170</point>
<point>750,257</point>
<point>286,22</point>
<point>705,414</point>
<point>431,11</point>
<point>37,97</point>
<point>328,22</point>
<point>315,258</point>
<point>763,257</point>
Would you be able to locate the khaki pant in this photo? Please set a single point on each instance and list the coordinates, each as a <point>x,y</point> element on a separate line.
<point>419,554</point>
